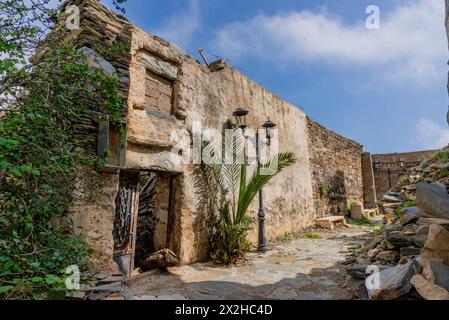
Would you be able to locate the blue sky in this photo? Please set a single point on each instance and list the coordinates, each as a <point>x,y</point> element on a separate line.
<point>384,88</point>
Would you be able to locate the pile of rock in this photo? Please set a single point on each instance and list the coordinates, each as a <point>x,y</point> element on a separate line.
<point>410,258</point>
<point>100,287</point>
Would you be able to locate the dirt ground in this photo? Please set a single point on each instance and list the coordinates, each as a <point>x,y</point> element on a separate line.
<point>301,269</point>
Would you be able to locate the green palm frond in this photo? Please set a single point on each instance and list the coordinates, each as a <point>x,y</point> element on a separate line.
<point>260,178</point>
<point>234,193</point>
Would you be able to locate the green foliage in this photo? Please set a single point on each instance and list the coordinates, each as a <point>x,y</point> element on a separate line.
<point>367,224</point>
<point>441,156</point>
<point>407,204</point>
<point>40,157</point>
<point>228,207</point>
<point>324,190</point>
<point>405,181</point>
<point>444,173</point>
<point>312,236</point>
<point>287,236</point>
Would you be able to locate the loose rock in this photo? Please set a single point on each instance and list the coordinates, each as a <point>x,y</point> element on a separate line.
<point>437,245</point>
<point>428,290</point>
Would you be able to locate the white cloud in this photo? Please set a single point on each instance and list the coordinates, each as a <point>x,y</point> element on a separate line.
<point>430,135</point>
<point>181,27</point>
<point>410,43</point>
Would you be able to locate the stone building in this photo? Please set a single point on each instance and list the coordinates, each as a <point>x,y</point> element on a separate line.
<point>389,168</point>
<point>142,201</point>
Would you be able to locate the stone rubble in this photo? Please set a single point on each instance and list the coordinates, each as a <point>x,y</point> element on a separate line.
<point>411,253</point>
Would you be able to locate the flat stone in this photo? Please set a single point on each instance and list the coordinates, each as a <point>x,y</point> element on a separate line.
<point>437,273</point>
<point>428,221</point>
<point>75,295</point>
<point>400,239</point>
<point>357,271</point>
<point>97,61</point>
<point>110,288</point>
<point>411,228</point>
<point>433,199</point>
<point>410,251</point>
<point>159,66</point>
<point>437,245</point>
<point>421,236</point>
<point>392,199</point>
<point>428,290</point>
<point>409,215</point>
<point>98,296</point>
<point>394,282</point>
<point>111,279</point>
<point>388,256</point>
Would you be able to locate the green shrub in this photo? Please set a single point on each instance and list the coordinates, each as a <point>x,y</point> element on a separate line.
<point>40,157</point>
<point>441,156</point>
<point>444,173</point>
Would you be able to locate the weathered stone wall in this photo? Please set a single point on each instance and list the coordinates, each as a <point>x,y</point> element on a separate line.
<point>93,211</point>
<point>369,185</point>
<point>389,171</point>
<point>165,91</point>
<point>336,167</point>
<point>210,98</point>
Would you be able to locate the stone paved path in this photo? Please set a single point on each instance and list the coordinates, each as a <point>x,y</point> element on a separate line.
<point>303,269</point>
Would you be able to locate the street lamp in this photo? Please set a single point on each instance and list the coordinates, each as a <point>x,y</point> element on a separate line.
<point>240,116</point>
<point>268,126</point>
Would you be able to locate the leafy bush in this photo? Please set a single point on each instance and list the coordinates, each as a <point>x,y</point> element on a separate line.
<point>441,156</point>
<point>40,158</point>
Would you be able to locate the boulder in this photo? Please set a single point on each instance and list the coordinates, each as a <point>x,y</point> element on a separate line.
<point>433,199</point>
<point>437,273</point>
<point>393,283</point>
<point>160,259</point>
<point>428,290</point>
<point>437,245</point>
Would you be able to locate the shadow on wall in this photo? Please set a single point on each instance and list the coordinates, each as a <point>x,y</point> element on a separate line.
<point>338,200</point>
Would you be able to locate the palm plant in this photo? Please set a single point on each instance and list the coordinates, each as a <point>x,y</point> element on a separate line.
<point>235,192</point>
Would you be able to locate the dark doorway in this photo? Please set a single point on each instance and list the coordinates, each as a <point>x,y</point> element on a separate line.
<point>155,207</point>
<point>144,217</point>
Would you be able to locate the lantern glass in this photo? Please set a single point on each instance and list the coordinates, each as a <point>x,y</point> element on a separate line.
<point>240,117</point>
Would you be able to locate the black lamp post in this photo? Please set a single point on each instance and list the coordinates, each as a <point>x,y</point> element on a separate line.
<point>240,116</point>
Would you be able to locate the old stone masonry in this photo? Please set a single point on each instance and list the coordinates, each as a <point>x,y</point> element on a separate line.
<point>144,213</point>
